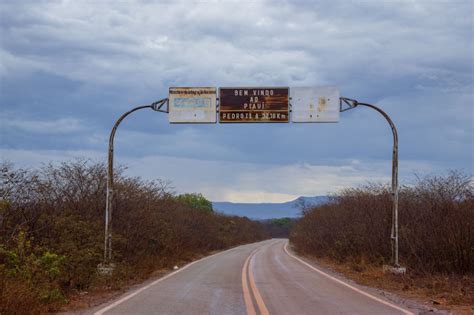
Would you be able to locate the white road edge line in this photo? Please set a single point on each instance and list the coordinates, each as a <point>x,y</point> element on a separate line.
<point>127,297</point>
<point>346,284</point>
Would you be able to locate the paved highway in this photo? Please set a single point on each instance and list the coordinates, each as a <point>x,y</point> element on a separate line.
<point>259,278</point>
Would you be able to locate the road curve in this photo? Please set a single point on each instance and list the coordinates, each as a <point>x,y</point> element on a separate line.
<point>259,278</point>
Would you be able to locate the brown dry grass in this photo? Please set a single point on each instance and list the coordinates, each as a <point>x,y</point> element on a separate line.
<point>449,292</point>
<point>81,300</point>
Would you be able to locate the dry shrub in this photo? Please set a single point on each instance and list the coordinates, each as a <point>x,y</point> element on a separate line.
<point>17,298</point>
<point>58,211</point>
<point>436,226</point>
<point>279,228</point>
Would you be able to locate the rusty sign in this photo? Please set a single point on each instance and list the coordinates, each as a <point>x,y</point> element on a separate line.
<point>315,104</point>
<point>192,104</point>
<point>253,104</point>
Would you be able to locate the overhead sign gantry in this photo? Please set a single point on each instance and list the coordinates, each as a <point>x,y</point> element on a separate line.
<point>200,105</point>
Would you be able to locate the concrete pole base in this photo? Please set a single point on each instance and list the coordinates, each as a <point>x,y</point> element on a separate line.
<point>105,270</point>
<point>395,270</point>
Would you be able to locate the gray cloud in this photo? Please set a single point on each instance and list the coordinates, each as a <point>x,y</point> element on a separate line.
<point>77,65</point>
<point>59,126</point>
<point>241,181</point>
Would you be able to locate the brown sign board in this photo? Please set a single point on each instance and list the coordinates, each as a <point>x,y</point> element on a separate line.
<point>253,104</point>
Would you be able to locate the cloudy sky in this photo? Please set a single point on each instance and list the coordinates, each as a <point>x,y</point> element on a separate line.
<point>69,69</point>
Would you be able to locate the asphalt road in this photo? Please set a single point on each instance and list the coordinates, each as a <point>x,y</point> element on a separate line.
<point>259,278</point>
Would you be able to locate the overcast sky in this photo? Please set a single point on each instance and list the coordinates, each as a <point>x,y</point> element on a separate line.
<point>69,69</point>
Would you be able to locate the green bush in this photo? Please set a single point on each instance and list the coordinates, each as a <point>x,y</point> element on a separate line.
<point>197,201</point>
<point>25,267</point>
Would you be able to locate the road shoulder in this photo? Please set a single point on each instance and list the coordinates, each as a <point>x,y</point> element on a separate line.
<point>98,298</point>
<point>406,301</point>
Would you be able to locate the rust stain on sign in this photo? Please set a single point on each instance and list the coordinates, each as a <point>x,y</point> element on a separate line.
<point>253,104</point>
<point>321,104</point>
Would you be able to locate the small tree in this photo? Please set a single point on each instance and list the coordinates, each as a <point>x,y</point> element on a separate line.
<point>197,201</point>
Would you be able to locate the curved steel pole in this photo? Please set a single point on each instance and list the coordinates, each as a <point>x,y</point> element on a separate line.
<point>110,187</point>
<point>394,233</point>
<point>110,178</point>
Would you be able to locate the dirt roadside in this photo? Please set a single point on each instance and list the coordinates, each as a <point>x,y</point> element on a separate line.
<point>442,294</point>
<point>84,300</point>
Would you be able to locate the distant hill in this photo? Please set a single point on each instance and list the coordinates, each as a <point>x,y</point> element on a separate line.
<point>260,211</point>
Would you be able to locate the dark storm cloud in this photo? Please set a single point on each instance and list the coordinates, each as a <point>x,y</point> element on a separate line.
<point>70,68</point>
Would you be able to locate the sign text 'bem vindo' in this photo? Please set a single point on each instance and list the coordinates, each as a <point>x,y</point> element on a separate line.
<point>253,104</point>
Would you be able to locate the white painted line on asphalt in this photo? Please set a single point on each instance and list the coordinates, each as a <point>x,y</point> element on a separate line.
<point>127,297</point>
<point>346,284</point>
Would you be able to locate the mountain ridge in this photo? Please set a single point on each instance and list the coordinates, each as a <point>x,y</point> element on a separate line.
<point>268,210</point>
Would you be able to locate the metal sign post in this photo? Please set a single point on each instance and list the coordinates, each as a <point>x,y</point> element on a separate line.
<point>394,231</point>
<point>106,268</point>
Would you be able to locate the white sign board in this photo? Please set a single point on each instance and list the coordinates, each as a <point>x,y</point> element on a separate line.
<point>315,104</point>
<point>192,105</point>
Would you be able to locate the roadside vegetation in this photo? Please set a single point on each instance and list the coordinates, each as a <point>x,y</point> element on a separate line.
<point>279,228</point>
<point>51,232</point>
<point>352,232</point>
